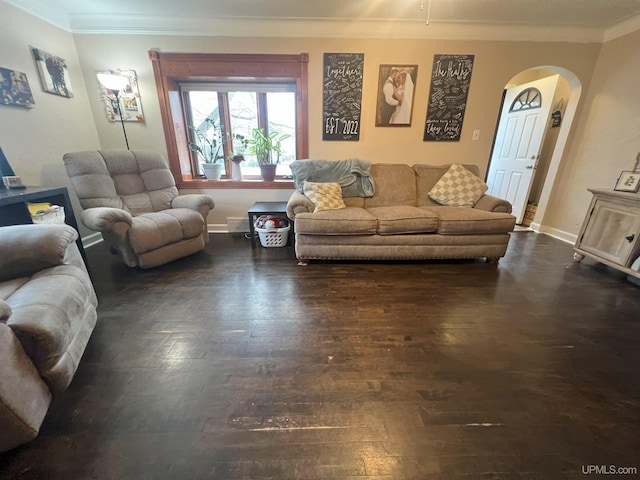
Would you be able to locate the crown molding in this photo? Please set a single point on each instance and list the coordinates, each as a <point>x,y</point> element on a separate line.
<point>326,28</point>
<point>620,29</point>
<point>318,28</point>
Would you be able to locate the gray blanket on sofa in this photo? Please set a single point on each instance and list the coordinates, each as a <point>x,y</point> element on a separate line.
<point>353,175</point>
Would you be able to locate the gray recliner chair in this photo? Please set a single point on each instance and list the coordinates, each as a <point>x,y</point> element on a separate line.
<point>131,198</point>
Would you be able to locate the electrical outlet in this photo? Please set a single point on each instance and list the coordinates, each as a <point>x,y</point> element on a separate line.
<point>476,135</point>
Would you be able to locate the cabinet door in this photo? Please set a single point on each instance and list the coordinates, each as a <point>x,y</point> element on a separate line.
<point>612,231</point>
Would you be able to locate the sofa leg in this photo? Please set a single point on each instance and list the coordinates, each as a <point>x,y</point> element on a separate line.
<point>303,262</point>
<point>493,260</point>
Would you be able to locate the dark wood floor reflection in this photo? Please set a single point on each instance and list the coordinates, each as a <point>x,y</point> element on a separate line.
<point>238,364</point>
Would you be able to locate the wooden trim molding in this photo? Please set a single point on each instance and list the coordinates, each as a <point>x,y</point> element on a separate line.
<point>170,69</point>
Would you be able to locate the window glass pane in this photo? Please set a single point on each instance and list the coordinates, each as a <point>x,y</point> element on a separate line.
<point>281,112</point>
<point>243,112</point>
<point>244,118</point>
<point>205,105</point>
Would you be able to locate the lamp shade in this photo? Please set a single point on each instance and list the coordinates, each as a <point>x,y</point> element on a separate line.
<point>113,82</point>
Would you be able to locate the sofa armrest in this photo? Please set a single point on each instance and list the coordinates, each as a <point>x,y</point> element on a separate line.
<point>493,204</point>
<point>104,219</point>
<point>298,203</point>
<point>27,249</point>
<point>200,203</point>
<point>193,201</point>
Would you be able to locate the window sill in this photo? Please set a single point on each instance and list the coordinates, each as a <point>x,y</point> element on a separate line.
<point>232,184</point>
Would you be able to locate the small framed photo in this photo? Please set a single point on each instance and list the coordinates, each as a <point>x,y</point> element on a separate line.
<point>628,182</point>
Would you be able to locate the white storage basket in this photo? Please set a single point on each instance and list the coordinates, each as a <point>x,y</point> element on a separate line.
<point>273,237</point>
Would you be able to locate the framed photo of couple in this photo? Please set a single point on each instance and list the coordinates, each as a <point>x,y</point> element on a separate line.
<point>396,87</point>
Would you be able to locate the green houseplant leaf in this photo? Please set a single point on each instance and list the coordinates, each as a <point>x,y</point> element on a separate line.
<point>262,146</point>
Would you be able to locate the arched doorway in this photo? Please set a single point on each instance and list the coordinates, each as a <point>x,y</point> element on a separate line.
<point>565,103</point>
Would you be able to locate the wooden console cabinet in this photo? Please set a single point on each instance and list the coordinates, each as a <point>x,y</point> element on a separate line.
<point>610,233</point>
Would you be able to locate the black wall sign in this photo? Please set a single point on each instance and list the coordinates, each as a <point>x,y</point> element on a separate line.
<point>450,79</point>
<point>342,96</point>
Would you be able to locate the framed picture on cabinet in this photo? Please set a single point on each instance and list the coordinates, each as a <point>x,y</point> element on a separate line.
<point>628,182</point>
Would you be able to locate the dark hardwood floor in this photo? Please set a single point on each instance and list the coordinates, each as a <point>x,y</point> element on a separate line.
<point>238,364</point>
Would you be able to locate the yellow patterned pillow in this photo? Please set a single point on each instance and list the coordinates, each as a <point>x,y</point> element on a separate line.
<point>325,196</point>
<point>458,187</point>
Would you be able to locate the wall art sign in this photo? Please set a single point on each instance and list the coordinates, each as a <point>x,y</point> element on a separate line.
<point>450,80</point>
<point>396,87</point>
<point>15,89</point>
<point>54,75</point>
<point>342,96</point>
<point>127,101</point>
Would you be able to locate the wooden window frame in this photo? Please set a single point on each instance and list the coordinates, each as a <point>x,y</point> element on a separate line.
<point>171,69</point>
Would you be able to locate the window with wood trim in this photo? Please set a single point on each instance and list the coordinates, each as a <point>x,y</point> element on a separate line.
<point>238,92</point>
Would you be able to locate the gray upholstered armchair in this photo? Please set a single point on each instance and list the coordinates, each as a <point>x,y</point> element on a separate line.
<point>131,198</point>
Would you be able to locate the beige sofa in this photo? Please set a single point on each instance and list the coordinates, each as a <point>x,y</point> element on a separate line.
<point>401,222</point>
<point>47,314</point>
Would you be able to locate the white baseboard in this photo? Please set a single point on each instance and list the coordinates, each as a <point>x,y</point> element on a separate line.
<point>238,224</point>
<point>91,240</point>
<point>555,233</point>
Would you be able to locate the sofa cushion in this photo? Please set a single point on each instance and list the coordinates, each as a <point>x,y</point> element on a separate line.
<point>404,219</point>
<point>466,220</point>
<point>395,185</point>
<point>325,196</point>
<point>458,187</point>
<point>150,231</point>
<point>346,221</point>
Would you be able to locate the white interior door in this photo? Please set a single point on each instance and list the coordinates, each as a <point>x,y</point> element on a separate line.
<point>523,124</point>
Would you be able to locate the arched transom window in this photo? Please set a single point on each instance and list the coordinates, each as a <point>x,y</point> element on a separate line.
<point>528,99</point>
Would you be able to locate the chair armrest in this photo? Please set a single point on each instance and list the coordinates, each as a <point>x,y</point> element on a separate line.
<point>193,201</point>
<point>5,311</point>
<point>104,219</point>
<point>493,204</point>
<point>298,203</point>
<point>27,249</point>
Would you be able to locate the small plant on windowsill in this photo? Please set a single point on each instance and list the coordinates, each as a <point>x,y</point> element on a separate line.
<point>208,145</point>
<point>263,147</point>
<point>240,143</point>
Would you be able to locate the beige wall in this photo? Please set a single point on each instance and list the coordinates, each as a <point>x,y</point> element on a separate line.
<point>495,64</point>
<point>80,123</point>
<point>34,140</point>
<point>606,139</point>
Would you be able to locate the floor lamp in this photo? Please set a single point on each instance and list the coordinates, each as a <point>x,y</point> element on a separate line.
<point>115,83</point>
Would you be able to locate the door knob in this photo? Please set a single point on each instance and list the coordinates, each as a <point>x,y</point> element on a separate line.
<point>630,238</point>
<point>529,167</point>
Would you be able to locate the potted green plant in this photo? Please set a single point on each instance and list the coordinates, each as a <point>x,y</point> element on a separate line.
<point>263,146</point>
<point>207,143</point>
